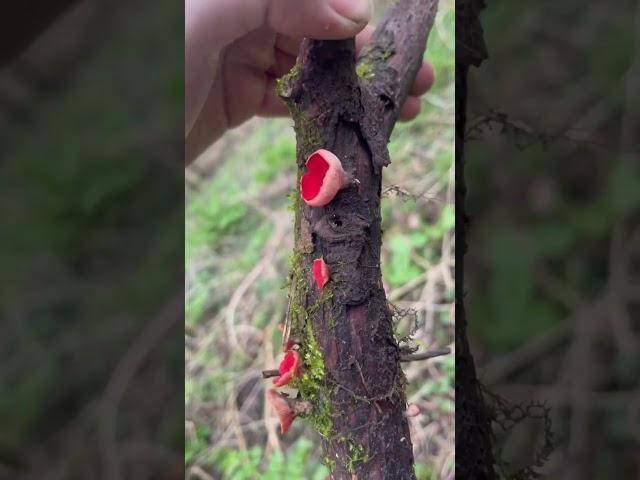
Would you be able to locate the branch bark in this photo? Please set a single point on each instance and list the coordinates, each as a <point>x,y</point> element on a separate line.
<point>357,387</point>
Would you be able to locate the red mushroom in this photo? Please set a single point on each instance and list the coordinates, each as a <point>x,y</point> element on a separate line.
<point>289,368</point>
<point>320,272</point>
<point>324,178</point>
<point>281,406</point>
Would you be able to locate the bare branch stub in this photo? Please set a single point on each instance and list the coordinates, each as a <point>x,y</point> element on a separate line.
<point>351,110</point>
<point>414,357</point>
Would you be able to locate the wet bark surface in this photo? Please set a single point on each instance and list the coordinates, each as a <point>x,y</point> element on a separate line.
<point>351,110</point>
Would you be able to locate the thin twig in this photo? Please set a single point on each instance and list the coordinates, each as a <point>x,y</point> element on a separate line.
<point>414,357</point>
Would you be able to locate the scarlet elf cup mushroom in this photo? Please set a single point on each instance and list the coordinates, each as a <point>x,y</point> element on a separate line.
<point>320,272</point>
<point>325,177</point>
<point>289,368</point>
<point>283,409</point>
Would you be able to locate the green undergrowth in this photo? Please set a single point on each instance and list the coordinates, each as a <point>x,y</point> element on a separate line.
<point>296,463</point>
<point>224,234</point>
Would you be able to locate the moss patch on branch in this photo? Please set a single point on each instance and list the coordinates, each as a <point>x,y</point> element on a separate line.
<point>312,385</point>
<point>369,63</point>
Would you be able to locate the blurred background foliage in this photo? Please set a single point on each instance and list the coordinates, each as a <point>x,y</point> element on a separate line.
<point>553,269</point>
<point>91,199</point>
<point>238,241</point>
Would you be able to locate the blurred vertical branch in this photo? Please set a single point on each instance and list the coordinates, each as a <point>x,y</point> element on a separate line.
<point>474,457</point>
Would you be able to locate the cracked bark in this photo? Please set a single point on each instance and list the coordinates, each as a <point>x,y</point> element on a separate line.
<point>353,115</point>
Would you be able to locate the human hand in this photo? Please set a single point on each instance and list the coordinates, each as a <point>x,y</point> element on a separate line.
<point>236,49</point>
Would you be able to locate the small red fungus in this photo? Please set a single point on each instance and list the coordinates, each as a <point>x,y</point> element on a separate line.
<point>324,178</point>
<point>320,272</point>
<point>281,406</point>
<point>289,368</point>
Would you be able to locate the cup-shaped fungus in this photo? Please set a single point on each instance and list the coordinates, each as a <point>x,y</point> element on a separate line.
<point>324,178</point>
<point>289,368</point>
<point>280,404</point>
<point>320,272</point>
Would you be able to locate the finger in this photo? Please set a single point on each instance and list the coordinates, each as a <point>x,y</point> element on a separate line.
<point>288,44</point>
<point>214,24</point>
<point>410,109</point>
<point>282,63</point>
<point>363,37</point>
<point>424,80</point>
<point>272,104</point>
<point>318,19</point>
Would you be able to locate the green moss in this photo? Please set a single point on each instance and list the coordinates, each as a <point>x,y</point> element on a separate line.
<point>364,70</point>
<point>330,463</point>
<point>308,134</point>
<point>368,64</point>
<point>312,385</point>
<point>333,323</point>
<point>355,455</point>
<point>293,198</point>
<point>286,79</point>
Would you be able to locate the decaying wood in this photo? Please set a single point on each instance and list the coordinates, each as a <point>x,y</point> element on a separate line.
<point>351,110</point>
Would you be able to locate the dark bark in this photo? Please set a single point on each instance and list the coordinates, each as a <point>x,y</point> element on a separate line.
<point>474,455</point>
<point>22,22</point>
<point>359,389</point>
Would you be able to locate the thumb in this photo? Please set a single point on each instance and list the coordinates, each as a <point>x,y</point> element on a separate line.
<point>210,25</point>
<point>318,19</point>
<point>219,22</point>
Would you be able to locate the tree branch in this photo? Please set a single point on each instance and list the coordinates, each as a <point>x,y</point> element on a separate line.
<point>387,68</point>
<point>395,52</point>
<point>351,112</point>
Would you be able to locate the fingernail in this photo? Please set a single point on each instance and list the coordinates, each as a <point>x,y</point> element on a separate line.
<point>358,11</point>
